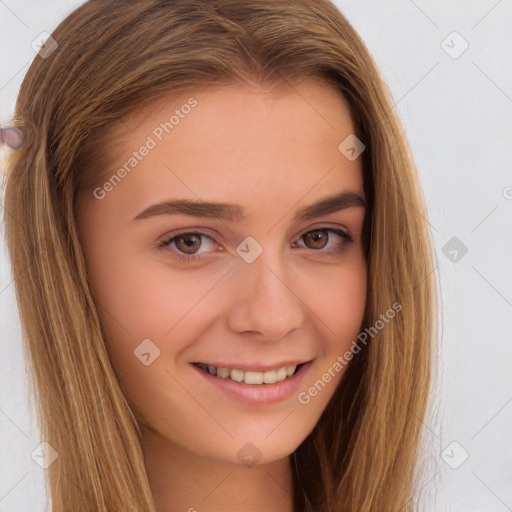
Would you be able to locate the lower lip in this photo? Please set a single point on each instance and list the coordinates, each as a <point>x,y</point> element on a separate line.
<point>258,394</point>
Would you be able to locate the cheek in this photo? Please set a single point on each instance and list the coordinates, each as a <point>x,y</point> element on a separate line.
<point>340,306</point>
<point>137,300</point>
<point>340,302</point>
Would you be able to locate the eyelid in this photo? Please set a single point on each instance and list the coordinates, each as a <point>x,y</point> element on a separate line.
<point>183,231</point>
<point>323,226</point>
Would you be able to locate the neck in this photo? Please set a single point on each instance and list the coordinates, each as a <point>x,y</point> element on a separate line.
<point>182,481</point>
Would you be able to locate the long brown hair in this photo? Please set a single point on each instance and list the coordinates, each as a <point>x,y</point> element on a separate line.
<point>115,57</point>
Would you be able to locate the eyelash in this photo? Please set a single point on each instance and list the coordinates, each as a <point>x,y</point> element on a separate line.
<point>347,240</point>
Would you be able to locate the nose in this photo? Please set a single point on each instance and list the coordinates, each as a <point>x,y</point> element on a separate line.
<point>267,301</point>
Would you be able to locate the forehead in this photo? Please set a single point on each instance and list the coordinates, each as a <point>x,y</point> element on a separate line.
<point>234,142</point>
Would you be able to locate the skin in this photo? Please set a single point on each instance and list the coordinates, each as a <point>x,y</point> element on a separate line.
<point>271,150</point>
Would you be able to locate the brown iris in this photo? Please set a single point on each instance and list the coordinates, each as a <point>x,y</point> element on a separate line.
<point>191,243</point>
<point>319,239</point>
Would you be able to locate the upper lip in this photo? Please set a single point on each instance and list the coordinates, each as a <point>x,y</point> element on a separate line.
<point>254,367</point>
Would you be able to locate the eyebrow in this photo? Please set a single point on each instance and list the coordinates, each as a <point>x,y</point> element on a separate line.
<point>233,212</point>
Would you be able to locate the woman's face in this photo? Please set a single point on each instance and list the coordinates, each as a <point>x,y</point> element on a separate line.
<point>235,268</point>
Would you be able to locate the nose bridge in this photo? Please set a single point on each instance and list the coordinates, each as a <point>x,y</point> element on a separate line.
<point>265,301</point>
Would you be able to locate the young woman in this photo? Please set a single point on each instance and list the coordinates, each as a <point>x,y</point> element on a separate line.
<point>223,268</point>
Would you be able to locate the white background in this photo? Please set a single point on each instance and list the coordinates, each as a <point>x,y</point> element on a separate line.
<point>457,113</point>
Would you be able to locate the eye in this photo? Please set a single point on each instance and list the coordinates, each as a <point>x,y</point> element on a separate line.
<point>319,239</point>
<point>185,246</point>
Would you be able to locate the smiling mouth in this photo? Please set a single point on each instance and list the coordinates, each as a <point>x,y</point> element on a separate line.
<point>250,377</point>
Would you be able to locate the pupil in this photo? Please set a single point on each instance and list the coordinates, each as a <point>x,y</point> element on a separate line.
<point>318,236</point>
<point>189,241</point>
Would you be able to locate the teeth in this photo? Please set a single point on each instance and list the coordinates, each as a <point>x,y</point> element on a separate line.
<point>223,373</point>
<point>251,377</point>
<point>281,374</point>
<point>270,377</point>
<point>237,375</point>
